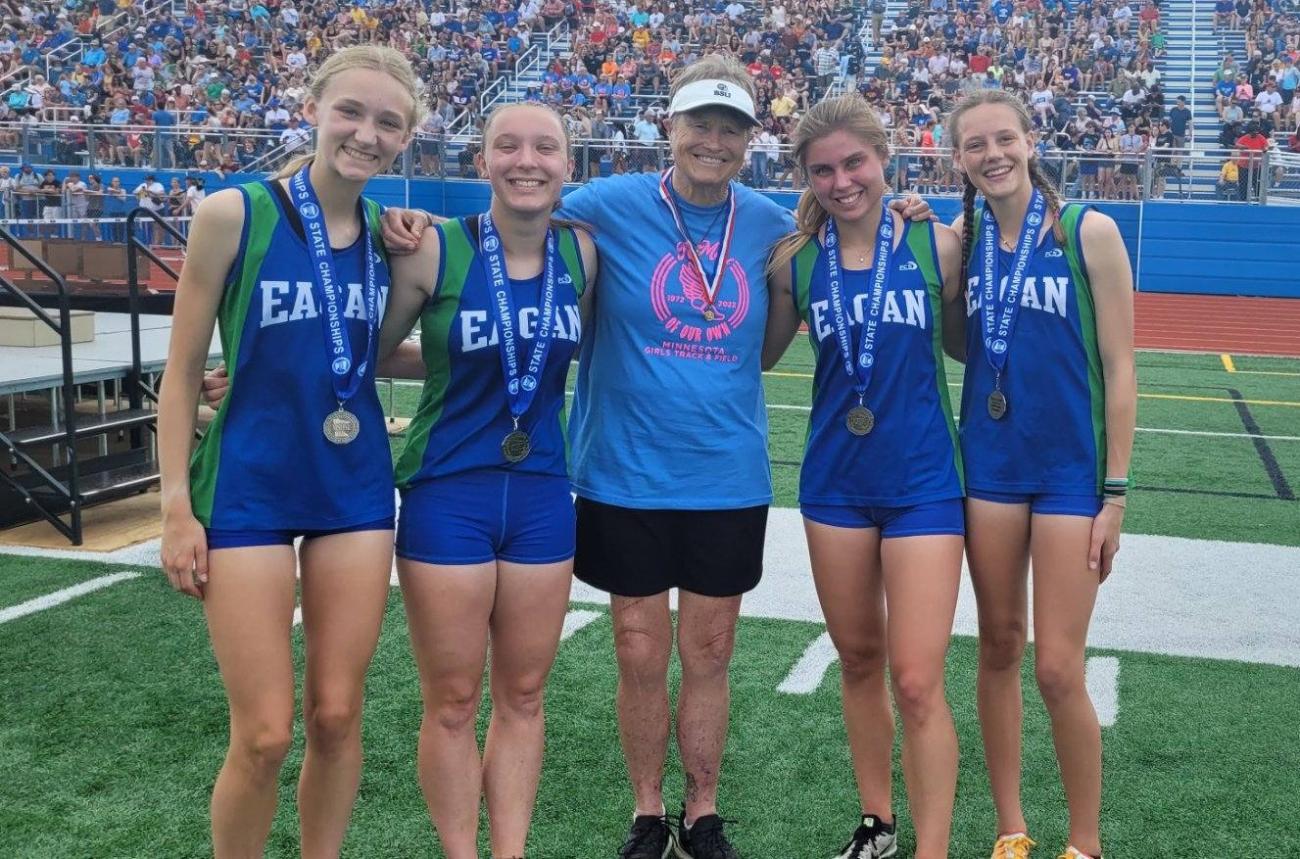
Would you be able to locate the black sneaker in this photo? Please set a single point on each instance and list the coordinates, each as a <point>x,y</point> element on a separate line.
<point>874,839</point>
<point>705,840</point>
<point>649,838</point>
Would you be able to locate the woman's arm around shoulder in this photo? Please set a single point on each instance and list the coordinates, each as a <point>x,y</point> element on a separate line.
<point>412,282</point>
<point>214,244</point>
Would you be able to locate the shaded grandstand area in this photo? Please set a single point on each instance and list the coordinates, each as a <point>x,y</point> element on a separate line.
<point>215,88</point>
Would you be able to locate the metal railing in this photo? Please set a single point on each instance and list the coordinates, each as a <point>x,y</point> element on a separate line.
<point>1284,178</point>
<point>188,147</point>
<point>88,215</point>
<point>65,489</point>
<point>112,27</point>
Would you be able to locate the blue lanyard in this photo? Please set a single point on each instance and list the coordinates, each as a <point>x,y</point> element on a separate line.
<point>860,367</point>
<point>999,312</point>
<point>345,375</point>
<point>519,389</point>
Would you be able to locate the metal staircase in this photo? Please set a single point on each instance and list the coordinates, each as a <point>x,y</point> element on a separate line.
<point>1194,53</point>
<point>50,475</point>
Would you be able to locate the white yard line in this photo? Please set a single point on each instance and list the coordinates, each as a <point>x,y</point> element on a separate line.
<point>807,674</point>
<point>50,600</point>
<point>1168,595</point>
<point>1103,687</point>
<point>578,618</point>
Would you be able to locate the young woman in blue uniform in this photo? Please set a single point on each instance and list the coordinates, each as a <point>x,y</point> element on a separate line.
<point>881,485</point>
<point>486,542</point>
<point>290,269</point>
<point>1047,415</point>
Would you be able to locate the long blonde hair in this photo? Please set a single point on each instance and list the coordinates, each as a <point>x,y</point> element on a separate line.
<point>1044,185</point>
<point>375,58</point>
<point>849,113</point>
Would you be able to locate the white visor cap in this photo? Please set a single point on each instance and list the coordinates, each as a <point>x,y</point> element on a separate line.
<point>713,93</point>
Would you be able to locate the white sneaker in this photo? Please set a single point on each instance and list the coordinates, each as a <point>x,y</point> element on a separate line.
<point>874,839</point>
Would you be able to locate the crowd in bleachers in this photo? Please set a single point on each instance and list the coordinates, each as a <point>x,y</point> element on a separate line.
<point>1255,96</point>
<point>178,86</point>
<point>1087,70</point>
<point>233,65</point>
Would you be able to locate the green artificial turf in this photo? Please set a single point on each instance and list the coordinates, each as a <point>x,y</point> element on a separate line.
<point>114,730</point>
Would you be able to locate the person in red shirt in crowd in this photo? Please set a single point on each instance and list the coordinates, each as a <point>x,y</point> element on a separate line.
<point>980,62</point>
<point>1250,161</point>
<point>1149,18</point>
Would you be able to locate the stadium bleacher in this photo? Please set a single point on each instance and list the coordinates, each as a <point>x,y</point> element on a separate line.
<point>214,87</point>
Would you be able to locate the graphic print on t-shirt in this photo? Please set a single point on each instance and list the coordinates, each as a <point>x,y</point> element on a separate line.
<point>680,300</point>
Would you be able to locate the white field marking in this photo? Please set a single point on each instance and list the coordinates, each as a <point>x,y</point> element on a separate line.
<point>807,674</point>
<point>1167,595</point>
<point>58,597</point>
<point>297,616</point>
<point>577,619</point>
<point>1103,687</point>
<point>1157,430</point>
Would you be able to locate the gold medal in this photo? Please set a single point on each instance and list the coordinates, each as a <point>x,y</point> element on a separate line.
<point>709,314</point>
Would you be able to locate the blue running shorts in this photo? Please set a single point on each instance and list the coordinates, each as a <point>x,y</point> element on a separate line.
<point>227,538</point>
<point>486,515</point>
<point>1044,503</point>
<point>933,517</point>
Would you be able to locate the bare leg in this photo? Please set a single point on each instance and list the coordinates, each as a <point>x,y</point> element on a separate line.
<point>643,640</point>
<point>997,547</point>
<point>921,582</point>
<point>706,637</point>
<point>1065,591</point>
<point>448,610</point>
<point>249,606</point>
<point>344,593</point>
<point>531,601</point>
<point>846,570</point>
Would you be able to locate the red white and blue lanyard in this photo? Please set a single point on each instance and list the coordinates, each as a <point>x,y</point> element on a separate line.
<point>711,287</point>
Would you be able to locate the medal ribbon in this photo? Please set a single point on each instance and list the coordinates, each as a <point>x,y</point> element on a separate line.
<point>859,367</point>
<point>999,312</point>
<point>346,375</point>
<point>519,390</point>
<point>728,231</point>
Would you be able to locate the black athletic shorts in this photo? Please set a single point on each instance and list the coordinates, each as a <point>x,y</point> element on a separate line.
<point>639,553</point>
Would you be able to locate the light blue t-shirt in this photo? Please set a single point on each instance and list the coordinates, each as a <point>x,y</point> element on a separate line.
<point>669,410</point>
